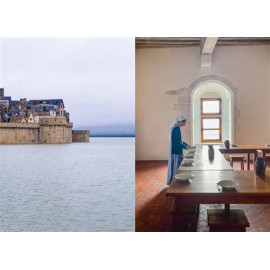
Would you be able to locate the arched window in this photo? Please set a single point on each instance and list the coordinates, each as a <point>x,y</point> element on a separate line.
<point>212,113</point>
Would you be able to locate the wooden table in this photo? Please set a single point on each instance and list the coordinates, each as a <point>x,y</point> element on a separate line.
<point>246,149</point>
<point>203,163</point>
<point>202,189</point>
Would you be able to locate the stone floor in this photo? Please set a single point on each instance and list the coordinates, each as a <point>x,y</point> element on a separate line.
<point>152,206</point>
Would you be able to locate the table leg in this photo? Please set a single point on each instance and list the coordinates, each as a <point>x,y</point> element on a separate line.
<point>248,161</point>
<point>177,225</point>
<point>227,207</point>
<point>254,159</point>
<point>182,221</point>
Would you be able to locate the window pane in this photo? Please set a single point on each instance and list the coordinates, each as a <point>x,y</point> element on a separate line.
<point>211,123</point>
<point>211,134</point>
<point>210,106</point>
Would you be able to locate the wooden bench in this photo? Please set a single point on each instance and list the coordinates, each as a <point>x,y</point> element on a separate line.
<point>221,220</point>
<point>188,219</point>
<point>237,158</point>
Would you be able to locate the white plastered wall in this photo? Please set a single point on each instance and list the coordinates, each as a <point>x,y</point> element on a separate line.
<point>162,69</point>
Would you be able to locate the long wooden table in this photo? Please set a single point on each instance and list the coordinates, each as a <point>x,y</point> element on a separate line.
<point>246,149</point>
<point>202,161</point>
<point>202,189</point>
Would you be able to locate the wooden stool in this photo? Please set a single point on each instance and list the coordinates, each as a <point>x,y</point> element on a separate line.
<point>237,158</point>
<point>188,219</point>
<point>221,220</point>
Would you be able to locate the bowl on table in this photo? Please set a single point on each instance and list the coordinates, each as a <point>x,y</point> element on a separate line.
<point>187,162</point>
<point>184,177</point>
<point>228,184</point>
<point>193,147</point>
<point>191,151</point>
<point>189,155</point>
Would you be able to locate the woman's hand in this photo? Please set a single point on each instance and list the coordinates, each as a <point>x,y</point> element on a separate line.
<point>188,147</point>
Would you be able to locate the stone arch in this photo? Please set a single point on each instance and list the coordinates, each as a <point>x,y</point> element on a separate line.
<point>233,123</point>
<point>185,106</point>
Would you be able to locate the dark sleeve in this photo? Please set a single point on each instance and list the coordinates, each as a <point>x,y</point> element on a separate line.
<point>176,136</point>
<point>183,144</point>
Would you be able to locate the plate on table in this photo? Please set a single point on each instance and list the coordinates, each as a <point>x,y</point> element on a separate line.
<point>228,184</point>
<point>187,162</point>
<point>184,177</point>
<point>189,155</point>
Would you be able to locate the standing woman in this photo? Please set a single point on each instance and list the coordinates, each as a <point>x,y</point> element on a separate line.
<point>176,147</point>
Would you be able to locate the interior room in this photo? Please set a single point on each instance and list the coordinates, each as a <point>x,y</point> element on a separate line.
<point>221,85</point>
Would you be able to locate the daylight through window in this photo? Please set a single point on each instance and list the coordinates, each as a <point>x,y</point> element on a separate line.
<point>211,120</point>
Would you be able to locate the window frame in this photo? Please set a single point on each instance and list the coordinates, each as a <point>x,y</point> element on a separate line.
<point>211,99</point>
<point>216,115</point>
<point>219,129</point>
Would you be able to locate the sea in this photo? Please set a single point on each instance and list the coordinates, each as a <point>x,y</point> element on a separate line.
<point>78,187</point>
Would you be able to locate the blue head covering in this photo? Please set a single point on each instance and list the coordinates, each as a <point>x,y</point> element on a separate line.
<point>174,124</point>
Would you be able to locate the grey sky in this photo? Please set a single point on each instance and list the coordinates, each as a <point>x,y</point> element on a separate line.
<point>94,76</point>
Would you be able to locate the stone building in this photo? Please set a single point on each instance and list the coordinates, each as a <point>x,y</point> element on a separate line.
<point>42,121</point>
<point>24,108</point>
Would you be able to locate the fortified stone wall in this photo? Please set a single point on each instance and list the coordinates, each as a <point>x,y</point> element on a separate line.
<point>80,135</point>
<point>50,130</point>
<point>55,130</point>
<point>53,121</point>
<point>11,133</point>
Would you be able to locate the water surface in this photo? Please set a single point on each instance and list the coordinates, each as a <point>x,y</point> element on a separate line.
<point>69,187</point>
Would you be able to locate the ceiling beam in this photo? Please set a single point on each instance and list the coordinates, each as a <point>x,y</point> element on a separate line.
<point>207,47</point>
<point>208,44</point>
<point>161,42</point>
<point>180,42</point>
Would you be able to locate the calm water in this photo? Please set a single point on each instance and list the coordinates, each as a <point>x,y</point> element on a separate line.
<point>72,187</point>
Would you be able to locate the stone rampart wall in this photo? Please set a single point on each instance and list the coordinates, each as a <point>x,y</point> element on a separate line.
<point>51,130</point>
<point>80,135</point>
<point>19,133</point>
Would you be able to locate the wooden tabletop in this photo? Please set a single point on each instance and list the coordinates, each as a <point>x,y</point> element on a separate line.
<point>203,163</point>
<point>246,147</point>
<point>203,188</point>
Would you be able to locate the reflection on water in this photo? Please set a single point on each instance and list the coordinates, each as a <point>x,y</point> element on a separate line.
<point>72,187</point>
